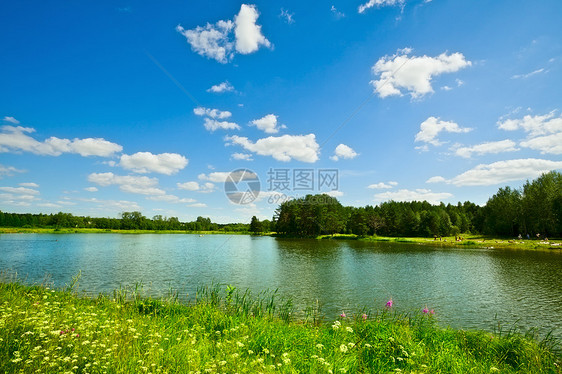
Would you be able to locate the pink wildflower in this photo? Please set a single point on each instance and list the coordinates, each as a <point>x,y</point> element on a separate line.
<point>343,315</point>
<point>389,303</point>
<point>425,310</point>
<point>364,316</point>
<point>431,311</point>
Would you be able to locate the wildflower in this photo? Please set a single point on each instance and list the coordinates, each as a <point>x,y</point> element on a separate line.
<point>389,303</point>
<point>319,346</point>
<point>425,310</point>
<point>367,345</point>
<point>348,329</point>
<point>431,311</point>
<point>343,315</point>
<point>343,348</point>
<point>351,345</point>
<point>364,316</point>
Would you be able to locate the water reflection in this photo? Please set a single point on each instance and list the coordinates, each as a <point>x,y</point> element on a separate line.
<point>467,287</point>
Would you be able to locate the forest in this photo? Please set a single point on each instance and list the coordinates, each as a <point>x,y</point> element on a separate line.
<point>535,208</point>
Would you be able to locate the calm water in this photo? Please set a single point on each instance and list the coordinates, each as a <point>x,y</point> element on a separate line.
<point>467,288</point>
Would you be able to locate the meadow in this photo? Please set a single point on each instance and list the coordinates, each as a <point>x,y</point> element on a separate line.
<point>226,330</point>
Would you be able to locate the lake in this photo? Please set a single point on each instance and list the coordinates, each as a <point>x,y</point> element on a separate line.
<point>467,288</point>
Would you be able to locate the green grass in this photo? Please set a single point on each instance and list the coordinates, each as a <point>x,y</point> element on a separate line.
<point>226,331</point>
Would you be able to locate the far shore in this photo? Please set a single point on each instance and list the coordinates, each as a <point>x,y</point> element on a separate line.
<point>462,241</point>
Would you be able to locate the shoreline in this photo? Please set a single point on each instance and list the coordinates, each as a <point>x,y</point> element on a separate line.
<point>469,240</point>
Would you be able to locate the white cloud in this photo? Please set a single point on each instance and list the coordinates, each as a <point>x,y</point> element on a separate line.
<point>8,171</point>
<point>525,76</point>
<point>212,113</point>
<point>242,156</point>
<point>534,125</point>
<point>336,12</point>
<point>382,185</point>
<point>288,17</point>
<point>198,205</point>
<point>345,152</point>
<point>504,171</point>
<point>128,183</point>
<point>211,41</point>
<point>415,195</point>
<point>171,199</point>
<point>29,184</point>
<point>545,144</point>
<point>188,186</point>
<point>18,196</point>
<point>544,132</point>
<point>334,193</point>
<point>221,176</point>
<point>283,148</point>
<point>379,3</point>
<point>217,42</point>
<point>248,34</point>
<point>431,127</point>
<point>11,120</point>
<point>146,162</point>
<point>91,189</point>
<point>221,87</point>
<point>267,124</point>
<point>436,179</point>
<point>446,88</point>
<point>413,74</point>
<point>15,139</point>
<point>488,147</point>
<point>213,124</point>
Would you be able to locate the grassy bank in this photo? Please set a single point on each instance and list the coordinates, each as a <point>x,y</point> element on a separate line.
<point>225,331</point>
<point>37,230</point>
<point>468,241</point>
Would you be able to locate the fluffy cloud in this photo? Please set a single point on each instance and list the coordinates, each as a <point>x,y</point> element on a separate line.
<point>217,42</point>
<point>128,183</point>
<point>283,148</point>
<point>212,117</point>
<point>242,156</point>
<point>15,139</point>
<point>431,127</point>
<point>212,113</point>
<point>343,151</point>
<point>221,87</point>
<point>267,124</point>
<point>213,124</point>
<point>379,3</point>
<point>415,195</point>
<point>29,184</point>
<point>8,170</point>
<point>146,162</point>
<point>544,132</point>
<point>383,185</point>
<point>413,74</point>
<point>11,120</point>
<point>18,196</point>
<point>188,186</point>
<point>502,172</point>
<point>248,34</point>
<point>436,179</point>
<point>211,41</point>
<point>488,147</point>
<point>91,189</point>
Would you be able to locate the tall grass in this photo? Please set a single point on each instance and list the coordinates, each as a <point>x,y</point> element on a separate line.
<point>226,330</point>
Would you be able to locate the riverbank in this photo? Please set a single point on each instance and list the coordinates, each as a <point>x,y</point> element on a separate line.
<point>467,241</point>
<point>51,330</point>
<point>37,230</point>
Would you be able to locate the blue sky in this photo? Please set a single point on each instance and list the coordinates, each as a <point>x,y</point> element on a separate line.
<point>108,107</point>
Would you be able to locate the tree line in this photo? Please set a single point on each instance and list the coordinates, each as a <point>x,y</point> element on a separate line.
<point>535,208</point>
<point>127,221</point>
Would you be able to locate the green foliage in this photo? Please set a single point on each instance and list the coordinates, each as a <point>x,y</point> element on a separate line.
<point>227,331</point>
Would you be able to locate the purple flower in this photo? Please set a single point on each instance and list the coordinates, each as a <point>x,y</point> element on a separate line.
<point>425,310</point>
<point>389,303</point>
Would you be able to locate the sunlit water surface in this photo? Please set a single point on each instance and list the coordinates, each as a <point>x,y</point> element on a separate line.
<point>467,288</point>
